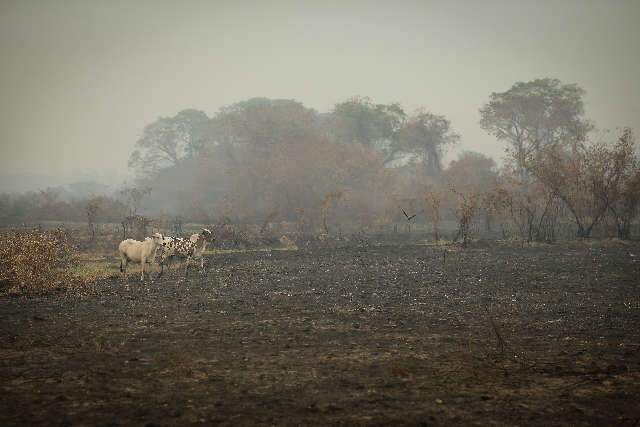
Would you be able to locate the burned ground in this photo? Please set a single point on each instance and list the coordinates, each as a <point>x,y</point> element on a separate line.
<point>379,335</point>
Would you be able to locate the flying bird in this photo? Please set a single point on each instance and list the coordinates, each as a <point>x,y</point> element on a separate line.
<point>409,218</point>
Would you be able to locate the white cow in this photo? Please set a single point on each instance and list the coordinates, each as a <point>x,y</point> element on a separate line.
<point>139,252</point>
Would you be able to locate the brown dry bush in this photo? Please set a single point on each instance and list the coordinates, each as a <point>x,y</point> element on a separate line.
<point>465,211</point>
<point>36,262</point>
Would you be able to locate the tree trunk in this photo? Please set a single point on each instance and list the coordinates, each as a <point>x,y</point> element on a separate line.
<point>624,229</point>
<point>582,232</point>
<point>488,222</point>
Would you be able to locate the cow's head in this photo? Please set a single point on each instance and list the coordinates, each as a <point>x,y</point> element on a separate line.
<point>206,233</point>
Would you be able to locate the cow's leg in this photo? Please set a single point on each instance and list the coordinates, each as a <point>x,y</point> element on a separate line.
<point>143,262</point>
<point>161,268</point>
<point>151,264</point>
<point>186,270</point>
<point>124,262</point>
<point>164,260</point>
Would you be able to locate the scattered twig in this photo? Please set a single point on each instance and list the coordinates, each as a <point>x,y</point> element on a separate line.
<point>500,341</point>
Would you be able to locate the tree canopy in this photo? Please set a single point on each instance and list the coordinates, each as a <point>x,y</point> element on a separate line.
<point>426,135</point>
<point>536,114</point>
<point>168,140</point>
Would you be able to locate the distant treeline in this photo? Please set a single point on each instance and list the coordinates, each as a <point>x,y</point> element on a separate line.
<point>364,165</point>
<point>53,204</point>
<point>276,158</point>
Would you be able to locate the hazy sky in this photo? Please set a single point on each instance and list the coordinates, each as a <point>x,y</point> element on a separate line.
<point>79,80</point>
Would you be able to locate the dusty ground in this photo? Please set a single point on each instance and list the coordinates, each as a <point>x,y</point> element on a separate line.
<point>385,335</point>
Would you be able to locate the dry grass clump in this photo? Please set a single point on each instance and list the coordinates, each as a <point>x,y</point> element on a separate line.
<point>93,266</point>
<point>288,243</point>
<point>36,262</point>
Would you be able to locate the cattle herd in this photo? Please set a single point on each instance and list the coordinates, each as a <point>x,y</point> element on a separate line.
<point>166,248</point>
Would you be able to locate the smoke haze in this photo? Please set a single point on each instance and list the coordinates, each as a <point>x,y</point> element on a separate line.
<point>81,79</point>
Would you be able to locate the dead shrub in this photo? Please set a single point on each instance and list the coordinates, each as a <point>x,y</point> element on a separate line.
<point>35,262</point>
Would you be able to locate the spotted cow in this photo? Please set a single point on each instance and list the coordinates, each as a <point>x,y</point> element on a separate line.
<point>185,248</point>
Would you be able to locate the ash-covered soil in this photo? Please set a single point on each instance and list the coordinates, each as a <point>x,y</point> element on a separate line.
<point>382,335</point>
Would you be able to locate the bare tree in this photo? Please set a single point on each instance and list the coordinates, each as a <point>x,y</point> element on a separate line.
<point>589,181</point>
<point>531,207</point>
<point>433,201</point>
<point>93,205</point>
<point>329,200</point>
<point>624,207</point>
<point>465,211</point>
<point>134,196</point>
